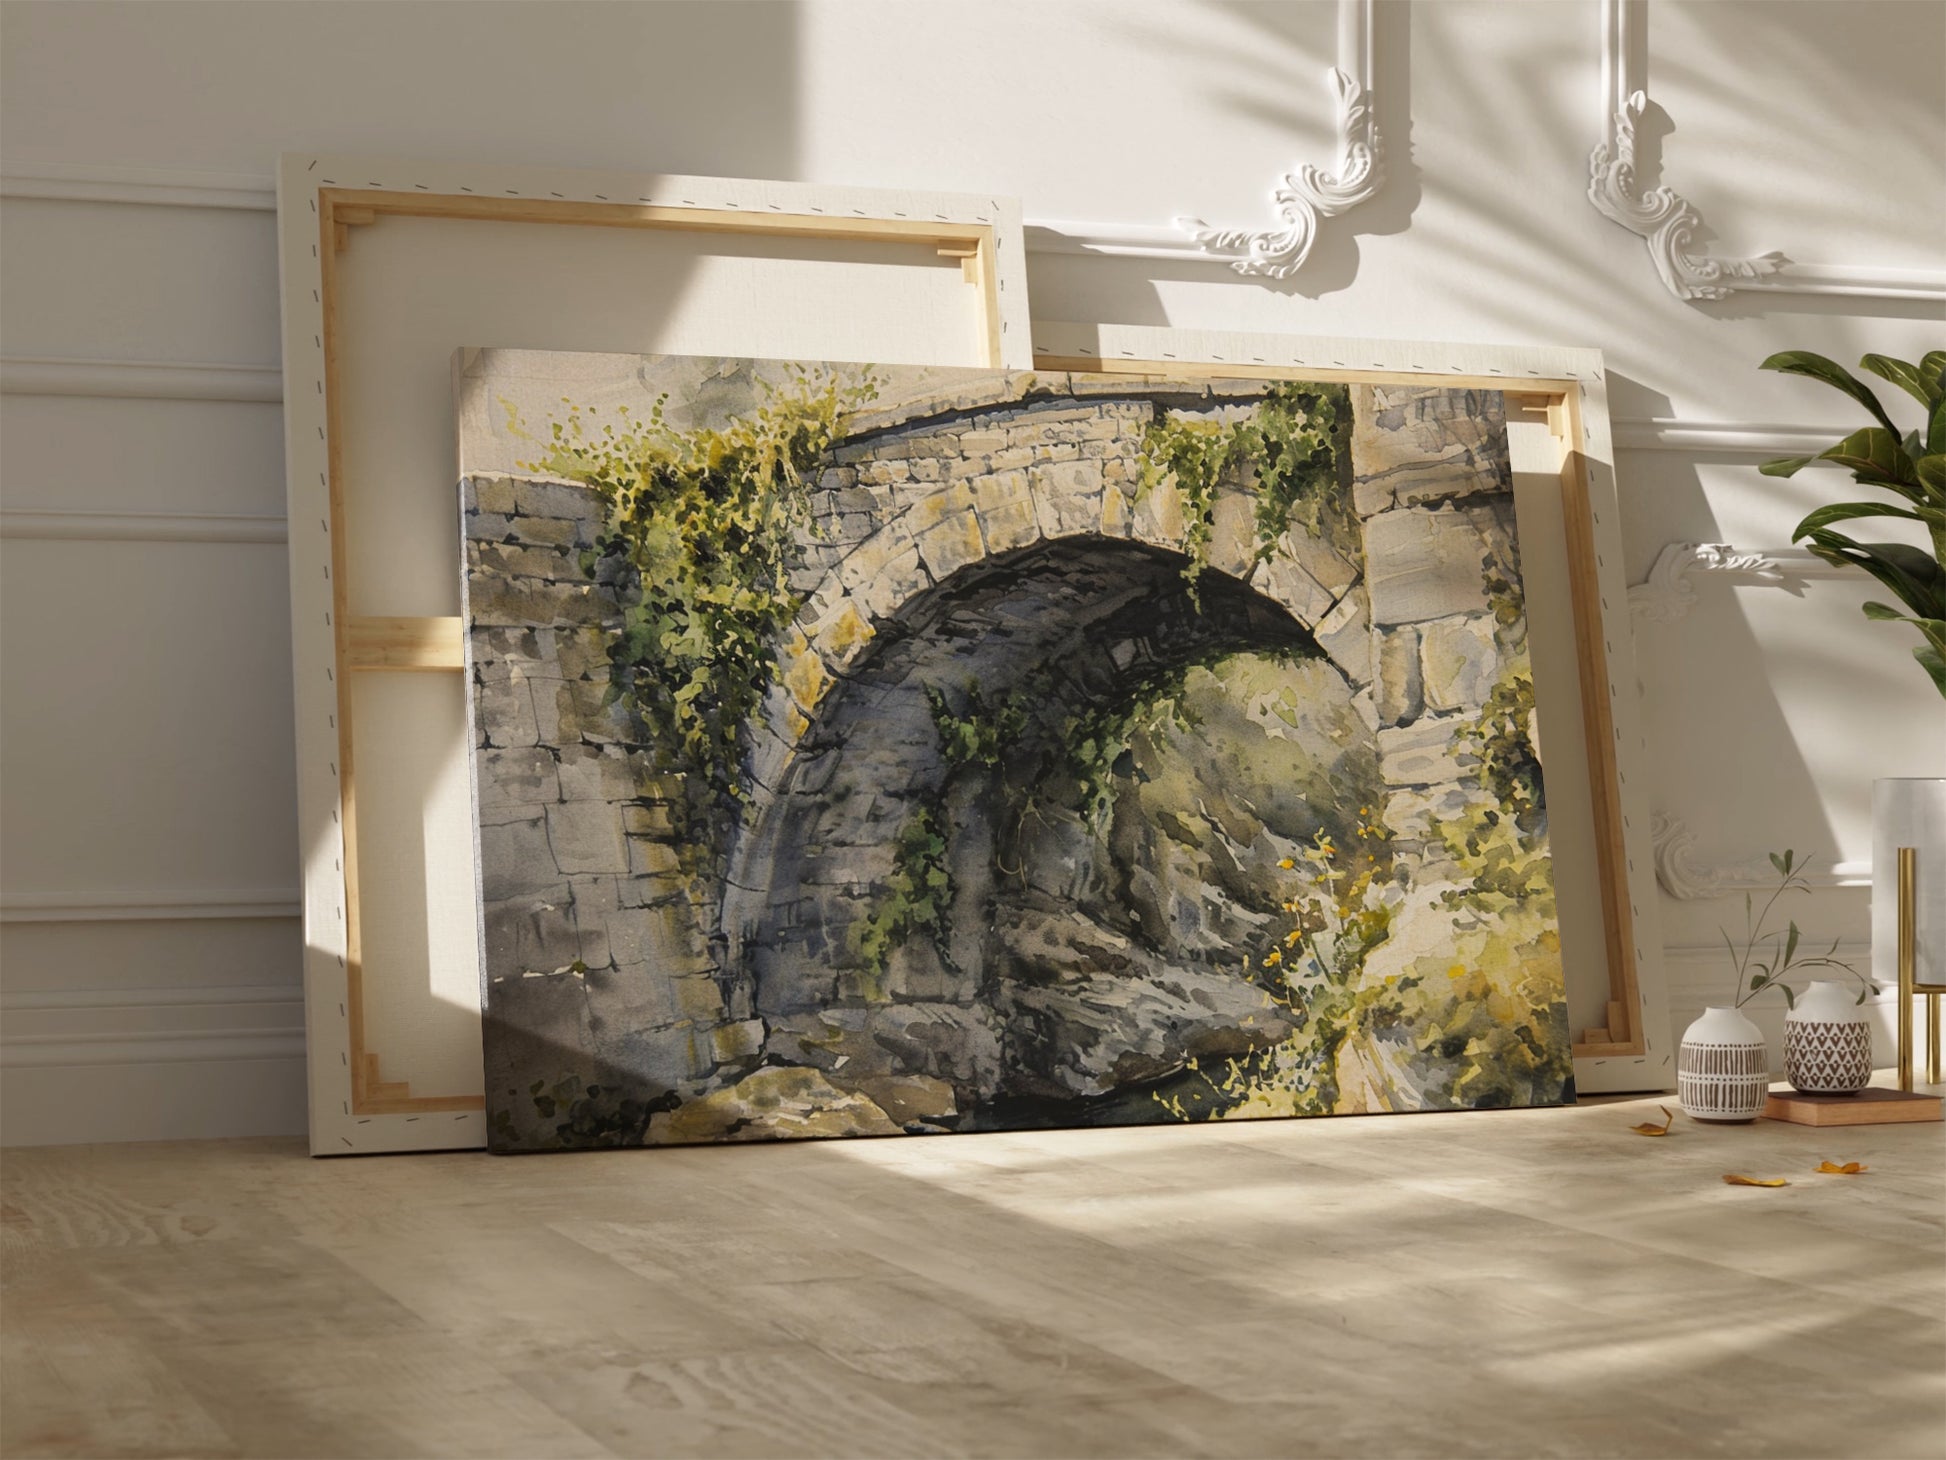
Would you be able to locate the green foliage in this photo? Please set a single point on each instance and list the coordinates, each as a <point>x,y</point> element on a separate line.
<point>702,533</point>
<point>1096,740</point>
<point>1765,956</point>
<point>1912,466</point>
<point>1500,843</point>
<point>1509,767</point>
<point>980,736</point>
<point>1291,442</point>
<point>917,897</point>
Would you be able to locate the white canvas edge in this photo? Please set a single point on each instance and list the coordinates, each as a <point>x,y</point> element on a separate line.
<point>334,1128</point>
<point>1655,1069</point>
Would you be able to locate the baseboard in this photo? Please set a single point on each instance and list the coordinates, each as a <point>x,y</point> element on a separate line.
<point>136,1064</point>
<point>58,1105</point>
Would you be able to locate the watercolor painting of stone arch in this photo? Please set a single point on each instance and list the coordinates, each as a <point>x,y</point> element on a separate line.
<point>866,750</point>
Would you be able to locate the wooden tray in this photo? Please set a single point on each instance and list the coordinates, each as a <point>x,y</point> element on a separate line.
<point>1870,1106</point>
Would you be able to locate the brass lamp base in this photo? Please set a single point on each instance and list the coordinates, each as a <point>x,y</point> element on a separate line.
<point>1909,985</point>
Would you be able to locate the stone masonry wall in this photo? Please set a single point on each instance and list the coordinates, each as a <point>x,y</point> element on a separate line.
<point>1432,483</point>
<point>596,954</point>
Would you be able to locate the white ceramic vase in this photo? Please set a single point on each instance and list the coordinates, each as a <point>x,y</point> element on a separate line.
<point>1827,1042</point>
<point>1723,1067</point>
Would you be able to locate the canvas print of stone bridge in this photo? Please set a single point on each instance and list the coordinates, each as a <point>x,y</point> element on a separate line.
<point>874,750</point>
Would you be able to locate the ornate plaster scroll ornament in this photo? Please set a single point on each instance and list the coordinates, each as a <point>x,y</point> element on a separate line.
<point>1308,194</point>
<point>1667,595</point>
<point>1666,221</point>
<point>1676,865</point>
<point>1683,875</point>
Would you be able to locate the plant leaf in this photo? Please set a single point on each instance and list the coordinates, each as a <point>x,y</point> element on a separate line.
<point>1910,378</point>
<point>1873,454</point>
<point>1754,1181</point>
<point>1850,1168</point>
<point>1817,367</point>
<point>1930,468</point>
<point>1785,466</point>
<point>1910,572</point>
<point>1935,430</point>
<point>1777,862</point>
<point>1934,663</point>
<point>1847,511</point>
<point>1790,946</point>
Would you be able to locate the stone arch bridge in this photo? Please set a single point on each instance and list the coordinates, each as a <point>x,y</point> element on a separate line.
<point>991,540</point>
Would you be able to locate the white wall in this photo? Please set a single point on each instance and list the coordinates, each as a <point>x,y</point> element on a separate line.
<point>147,850</point>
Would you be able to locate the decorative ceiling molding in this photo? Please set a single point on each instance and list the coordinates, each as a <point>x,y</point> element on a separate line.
<point>1683,874</point>
<point>1669,224</point>
<point>1667,595</point>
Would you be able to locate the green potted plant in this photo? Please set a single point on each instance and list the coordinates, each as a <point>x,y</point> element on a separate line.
<point>1911,466</point>
<point>1907,811</point>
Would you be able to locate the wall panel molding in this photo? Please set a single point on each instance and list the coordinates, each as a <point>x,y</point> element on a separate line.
<point>194,380</point>
<point>1668,223</point>
<point>17,522</point>
<point>1300,200</point>
<point>79,182</point>
<point>71,1027</point>
<point>1667,595</point>
<point>1686,876</point>
<point>149,906</point>
<point>1727,438</point>
<point>140,379</point>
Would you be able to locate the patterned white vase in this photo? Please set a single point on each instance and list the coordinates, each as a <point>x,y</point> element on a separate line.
<point>1827,1042</point>
<point>1723,1067</point>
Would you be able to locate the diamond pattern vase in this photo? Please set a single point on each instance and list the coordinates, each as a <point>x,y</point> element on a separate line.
<point>1827,1042</point>
<point>1723,1067</point>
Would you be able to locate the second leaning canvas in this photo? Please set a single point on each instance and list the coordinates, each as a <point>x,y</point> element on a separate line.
<point>864,750</point>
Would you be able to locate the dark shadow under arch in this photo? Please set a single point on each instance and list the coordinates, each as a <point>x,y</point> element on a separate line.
<point>1065,625</point>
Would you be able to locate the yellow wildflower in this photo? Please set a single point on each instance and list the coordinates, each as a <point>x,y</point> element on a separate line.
<point>1272,958</point>
<point>1291,940</point>
<point>1287,864</point>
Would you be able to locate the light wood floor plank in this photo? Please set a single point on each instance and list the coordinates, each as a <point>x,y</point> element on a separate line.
<point>1501,1284</point>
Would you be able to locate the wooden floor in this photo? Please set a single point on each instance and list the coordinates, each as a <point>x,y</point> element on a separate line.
<point>1504,1284</point>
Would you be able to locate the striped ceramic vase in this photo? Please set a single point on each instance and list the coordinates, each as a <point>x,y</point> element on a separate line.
<point>1723,1068</point>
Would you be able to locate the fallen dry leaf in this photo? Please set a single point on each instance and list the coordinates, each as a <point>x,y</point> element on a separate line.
<point>1832,1168</point>
<point>1650,1128</point>
<point>1753,1181</point>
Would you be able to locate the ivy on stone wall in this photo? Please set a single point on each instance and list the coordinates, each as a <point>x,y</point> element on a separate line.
<point>918,895</point>
<point>981,734</point>
<point>1292,444</point>
<point>702,532</point>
